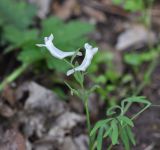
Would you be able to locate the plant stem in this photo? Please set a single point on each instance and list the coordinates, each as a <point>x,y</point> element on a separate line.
<point>88,116</point>
<point>88,121</point>
<point>14,75</point>
<point>110,147</point>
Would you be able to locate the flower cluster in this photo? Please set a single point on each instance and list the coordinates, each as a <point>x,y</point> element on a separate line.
<point>90,52</point>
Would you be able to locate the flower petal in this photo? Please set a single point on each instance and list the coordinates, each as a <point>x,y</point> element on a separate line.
<point>95,50</point>
<point>69,72</point>
<point>86,61</point>
<point>87,46</point>
<point>51,37</point>
<point>40,45</point>
<point>55,51</point>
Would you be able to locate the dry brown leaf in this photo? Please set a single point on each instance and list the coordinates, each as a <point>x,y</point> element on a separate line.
<point>12,140</point>
<point>9,95</point>
<point>97,15</point>
<point>135,36</point>
<point>107,2</point>
<point>66,10</point>
<point>6,111</point>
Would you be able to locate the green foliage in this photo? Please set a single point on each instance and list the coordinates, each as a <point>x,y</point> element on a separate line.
<point>131,5</point>
<point>17,14</point>
<point>141,6</point>
<point>100,138</point>
<point>113,128</point>
<point>118,127</point>
<point>109,78</point>
<point>68,36</point>
<point>15,18</point>
<point>17,38</point>
<point>105,57</point>
<point>31,54</point>
<point>137,59</point>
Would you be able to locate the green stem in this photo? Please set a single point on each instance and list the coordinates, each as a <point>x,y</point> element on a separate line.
<point>67,62</point>
<point>110,147</point>
<point>135,116</point>
<point>14,75</point>
<point>88,116</point>
<point>88,122</point>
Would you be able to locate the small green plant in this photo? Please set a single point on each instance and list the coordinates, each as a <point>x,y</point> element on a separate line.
<point>142,6</point>
<point>14,26</point>
<point>131,5</point>
<point>117,127</point>
<point>74,30</point>
<point>136,61</point>
<point>109,78</point>
<point>18,14</point>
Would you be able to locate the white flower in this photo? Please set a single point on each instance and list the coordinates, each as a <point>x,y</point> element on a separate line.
<point>55,51</point>
<point>90,51</point>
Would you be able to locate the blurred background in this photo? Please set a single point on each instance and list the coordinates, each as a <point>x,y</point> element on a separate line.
<point>37,111</point>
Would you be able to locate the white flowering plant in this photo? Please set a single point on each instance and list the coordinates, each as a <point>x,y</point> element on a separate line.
<point>117,126</point>
<point>29,54</point>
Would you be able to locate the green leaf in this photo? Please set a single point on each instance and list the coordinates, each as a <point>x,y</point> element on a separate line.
<point>134,5</point>
<point>124,138</point>
<point>59,91</point>
<point>30,54</point>
<point>126,120</point>
<point>100,138</point>
<point>17,14</point>
<point>104,57</point>
<point>117,2</point>
<point>99,124</point>
<point>114,135</point>
<point>133,59</point>
<point>130,135</point>
<point>51,25</point>
<point>73,91</point>
<point>108,132</point>
<point>79,77</point>
<point>70,34</point>
<point>137,59</point>
<point>74,31</point>
<point>136,99</point>
<point>130,5</point>
<point>101,79</point>
<point>17,37</point>
<point>111,110</point>
<point>93,88</point>
<point>127,78</point>
<point>57,64</point>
